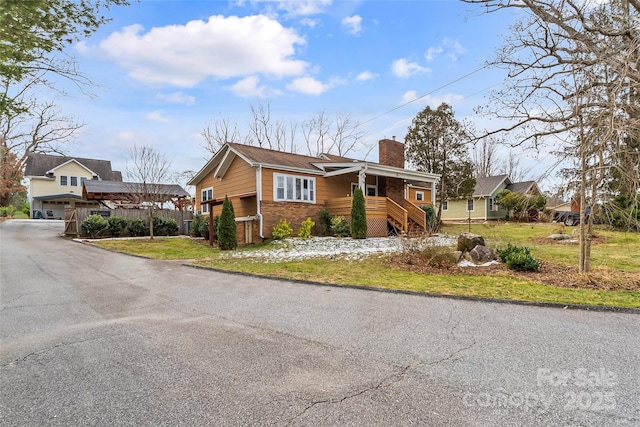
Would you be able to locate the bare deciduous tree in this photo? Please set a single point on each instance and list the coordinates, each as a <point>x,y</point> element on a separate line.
<point>484,154</point>
<point>574,73</point>
<point>147,170</point>
<point>320,134</point>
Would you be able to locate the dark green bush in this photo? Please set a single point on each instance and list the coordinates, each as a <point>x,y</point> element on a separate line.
<point>358,215</point>
<point>521,261</point>
<point>431,214</point>
<point>7,211</point>
<point>518,258</point>
<point>137,227</point>
<point>94,226</point>
<point>165,226</point>
<point>196,229</point>
<point>116,225</point>
<point>227,238</point>
<point>340,226</point>
<point>282,230</point>
<point>504,253</point>
<point>325,222</point>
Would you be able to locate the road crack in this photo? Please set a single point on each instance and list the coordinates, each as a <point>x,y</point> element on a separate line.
<point>386,382</point>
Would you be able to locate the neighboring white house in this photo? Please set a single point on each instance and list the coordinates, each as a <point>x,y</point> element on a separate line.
<point>56,181</point>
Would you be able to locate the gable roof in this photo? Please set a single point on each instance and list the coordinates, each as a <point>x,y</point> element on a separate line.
<point>40,164</point>
<point>257,156</point>
<point>94,188</point>
<point>264,156</point>
<point>487,185</point>
<point>523,187</point>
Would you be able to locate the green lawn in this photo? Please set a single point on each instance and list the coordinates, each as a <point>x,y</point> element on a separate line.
<point>614,255</point>
<point>620,252</point>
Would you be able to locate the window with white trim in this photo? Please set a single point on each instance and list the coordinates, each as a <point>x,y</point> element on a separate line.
<point>206,194</point>
<point>445,205</point>
<point>63,180</point>
<point>292,188</point>
<point>420,196</point>
<point>470,205</point>
<point>372,190</point>
<point>493,206</point>
<point>74,181</point>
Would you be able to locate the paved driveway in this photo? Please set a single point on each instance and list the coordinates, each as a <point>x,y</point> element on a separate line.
<point>90,337</point>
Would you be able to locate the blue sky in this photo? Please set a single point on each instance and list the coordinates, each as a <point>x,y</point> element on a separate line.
<point>168,68</point>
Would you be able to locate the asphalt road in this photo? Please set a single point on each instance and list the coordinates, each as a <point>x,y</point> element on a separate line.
<point>90,337</point>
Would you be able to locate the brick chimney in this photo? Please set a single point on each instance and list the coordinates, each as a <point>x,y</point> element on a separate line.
<point>391,153</point>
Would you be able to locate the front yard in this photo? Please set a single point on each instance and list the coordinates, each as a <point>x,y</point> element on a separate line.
<point>382,263</point>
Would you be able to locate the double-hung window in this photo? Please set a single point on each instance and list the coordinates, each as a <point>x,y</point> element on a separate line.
<point>492,205</point>
<point>292,188</point>
<point>207,194</point>
<point>445,205</point>
<point>470,205</point>
<point>74,181</point>
<point>63,180</point>
<point>420,196</point>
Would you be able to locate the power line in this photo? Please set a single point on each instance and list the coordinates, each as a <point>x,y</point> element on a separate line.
<point>426,94</point>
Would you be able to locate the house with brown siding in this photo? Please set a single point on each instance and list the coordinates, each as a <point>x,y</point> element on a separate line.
<point>266,186</point>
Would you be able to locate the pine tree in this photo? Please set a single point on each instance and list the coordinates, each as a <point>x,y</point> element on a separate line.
<point>227,239</point>
<point>358,216</point>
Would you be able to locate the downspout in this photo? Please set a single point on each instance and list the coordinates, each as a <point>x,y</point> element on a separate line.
<point>259,198</point>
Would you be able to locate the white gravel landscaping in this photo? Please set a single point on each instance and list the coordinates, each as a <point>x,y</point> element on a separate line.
<point>296,249</point>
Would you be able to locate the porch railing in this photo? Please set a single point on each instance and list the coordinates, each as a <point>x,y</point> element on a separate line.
<point>397,214</point>
<point>416,214</point>
<point>376,207</point>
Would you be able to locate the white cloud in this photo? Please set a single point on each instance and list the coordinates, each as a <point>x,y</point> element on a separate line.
<point>353,24</point>
<point>293,8</point>
<point>304,7</point>
<point>176,98</point>
<point>309,22</point>
<point>222,47</point>
<point>409,96</point>
<point>156,116</point>
<point>366,75</point>
<point>449,98</point>
<point>308,85</point>
<point>454,49</point>
<point>404,69</point>
<point>431,53</point>
<point>248,88</point>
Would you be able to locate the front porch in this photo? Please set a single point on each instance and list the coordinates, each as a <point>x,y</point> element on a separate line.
<point>382,212</point>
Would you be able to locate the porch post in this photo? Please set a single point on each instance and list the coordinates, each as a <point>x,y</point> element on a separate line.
<point>362,180</point>
<point>433,193</point>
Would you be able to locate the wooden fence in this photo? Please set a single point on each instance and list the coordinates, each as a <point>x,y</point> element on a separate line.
<point>74,217</point>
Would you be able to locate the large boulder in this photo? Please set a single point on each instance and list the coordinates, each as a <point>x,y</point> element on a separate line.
<point>482,254</point>
<point>468,241</point>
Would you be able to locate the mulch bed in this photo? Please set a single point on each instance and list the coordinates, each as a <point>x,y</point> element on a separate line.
<point>558,275</point>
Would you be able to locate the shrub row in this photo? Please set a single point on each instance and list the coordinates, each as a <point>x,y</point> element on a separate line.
<point>7,211</point>
<point>283,229</point>
<point>96,226</point>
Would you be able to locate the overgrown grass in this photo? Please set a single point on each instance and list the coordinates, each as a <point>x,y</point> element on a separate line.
<point>614,255</point>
